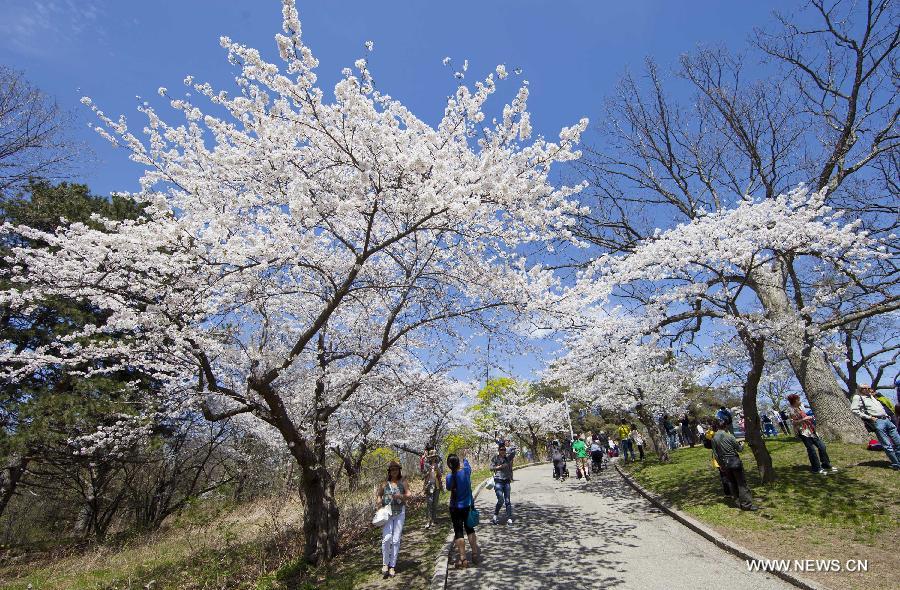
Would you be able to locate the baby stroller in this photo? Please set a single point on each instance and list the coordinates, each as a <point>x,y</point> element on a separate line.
<point>563,470</point>
<point>596,461</point>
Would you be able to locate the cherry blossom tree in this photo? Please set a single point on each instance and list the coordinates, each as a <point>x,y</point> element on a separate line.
<point>821,108</point>
<point>612,360</point>
<point>297,249</point>
<point>409,412</point>
<point>718,267</point>
<point>518,408</point>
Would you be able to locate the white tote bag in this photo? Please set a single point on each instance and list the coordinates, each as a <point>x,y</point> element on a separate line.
<point>382,515</point>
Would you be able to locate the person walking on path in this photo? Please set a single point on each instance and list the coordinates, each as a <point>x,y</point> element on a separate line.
<point>637,441</point>
<point>394,493</point>
<point>433,485</point>
<point>559,461</point>
<point>820,463</point>
<point>727,452</point>
<point>580,450</point>
<point>597,453</point>
<point>603,439</point>
<point>625,441</point>
<point>876,418</point>
<point>459,483</point>
<point>501,465</point>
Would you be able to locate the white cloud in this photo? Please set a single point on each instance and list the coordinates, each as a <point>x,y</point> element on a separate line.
<point>46,27</point>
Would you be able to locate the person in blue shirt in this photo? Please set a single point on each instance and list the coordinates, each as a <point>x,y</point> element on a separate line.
<point>459,484</point>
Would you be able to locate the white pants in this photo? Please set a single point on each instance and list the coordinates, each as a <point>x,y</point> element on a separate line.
<point>390,538</point>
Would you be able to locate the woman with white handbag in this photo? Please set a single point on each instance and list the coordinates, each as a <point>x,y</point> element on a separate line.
<point>392,498</point>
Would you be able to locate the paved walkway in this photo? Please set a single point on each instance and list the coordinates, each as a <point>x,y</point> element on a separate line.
<point>597,534</point>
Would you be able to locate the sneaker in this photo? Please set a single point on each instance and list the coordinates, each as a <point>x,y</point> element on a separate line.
<point>508,521</point>
<point>391,572</point>
<point>494,519</point>
<point>895,467</point>
<point>822,472</point>
<point>833,469</point>
<point>384,571</point>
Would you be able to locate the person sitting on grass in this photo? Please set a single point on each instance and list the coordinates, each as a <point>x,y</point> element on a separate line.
<point>876,419</point>
<point>727,452</point>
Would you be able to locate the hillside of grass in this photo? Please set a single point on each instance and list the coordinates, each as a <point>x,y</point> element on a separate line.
<point>217,545</point>
<point>851,514</point>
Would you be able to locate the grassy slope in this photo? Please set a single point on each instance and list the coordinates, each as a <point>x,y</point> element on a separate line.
<point>850,514</point>
<point>253,546</point>
<point>204,547</point>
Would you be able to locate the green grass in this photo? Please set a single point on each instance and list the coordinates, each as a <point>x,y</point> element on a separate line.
<point>854,499</point>
<point>851,513</point>
<point>359,565</point>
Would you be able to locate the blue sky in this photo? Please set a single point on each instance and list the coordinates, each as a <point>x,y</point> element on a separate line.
<point>572,53</point>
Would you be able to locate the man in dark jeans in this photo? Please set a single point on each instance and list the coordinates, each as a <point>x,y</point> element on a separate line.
<point>727,450</point>
<point>501,465</point>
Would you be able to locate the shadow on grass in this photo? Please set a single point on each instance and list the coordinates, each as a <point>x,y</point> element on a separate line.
<point>798,497</point>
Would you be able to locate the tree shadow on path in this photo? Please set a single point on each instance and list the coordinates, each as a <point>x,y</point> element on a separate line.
<point>554,544</point>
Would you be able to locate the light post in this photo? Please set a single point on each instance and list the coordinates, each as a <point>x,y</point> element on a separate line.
<point>569,417</point>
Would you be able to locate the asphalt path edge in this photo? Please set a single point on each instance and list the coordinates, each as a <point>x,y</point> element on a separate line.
<point>442,563</point>
<point>712,535</point>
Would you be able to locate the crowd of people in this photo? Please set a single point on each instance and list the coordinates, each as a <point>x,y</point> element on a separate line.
<point>590,452</point>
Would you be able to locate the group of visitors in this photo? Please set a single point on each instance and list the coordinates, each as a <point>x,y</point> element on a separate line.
<point>596,446</point>
<point>687,434</point>
<point>394,492</point>
<point>877,412</point>
<point>879,415</point>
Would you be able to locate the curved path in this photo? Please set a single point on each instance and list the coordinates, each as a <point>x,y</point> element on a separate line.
<point>595,534</point>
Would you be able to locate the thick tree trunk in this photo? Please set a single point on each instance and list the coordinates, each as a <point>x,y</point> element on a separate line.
<point>752,423</point>
<point>353,468</point>
<point>321,515</point>
<point>535,450</point>
<point>834,421</point>
<point>656,436</point>
<point>9,478</point>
